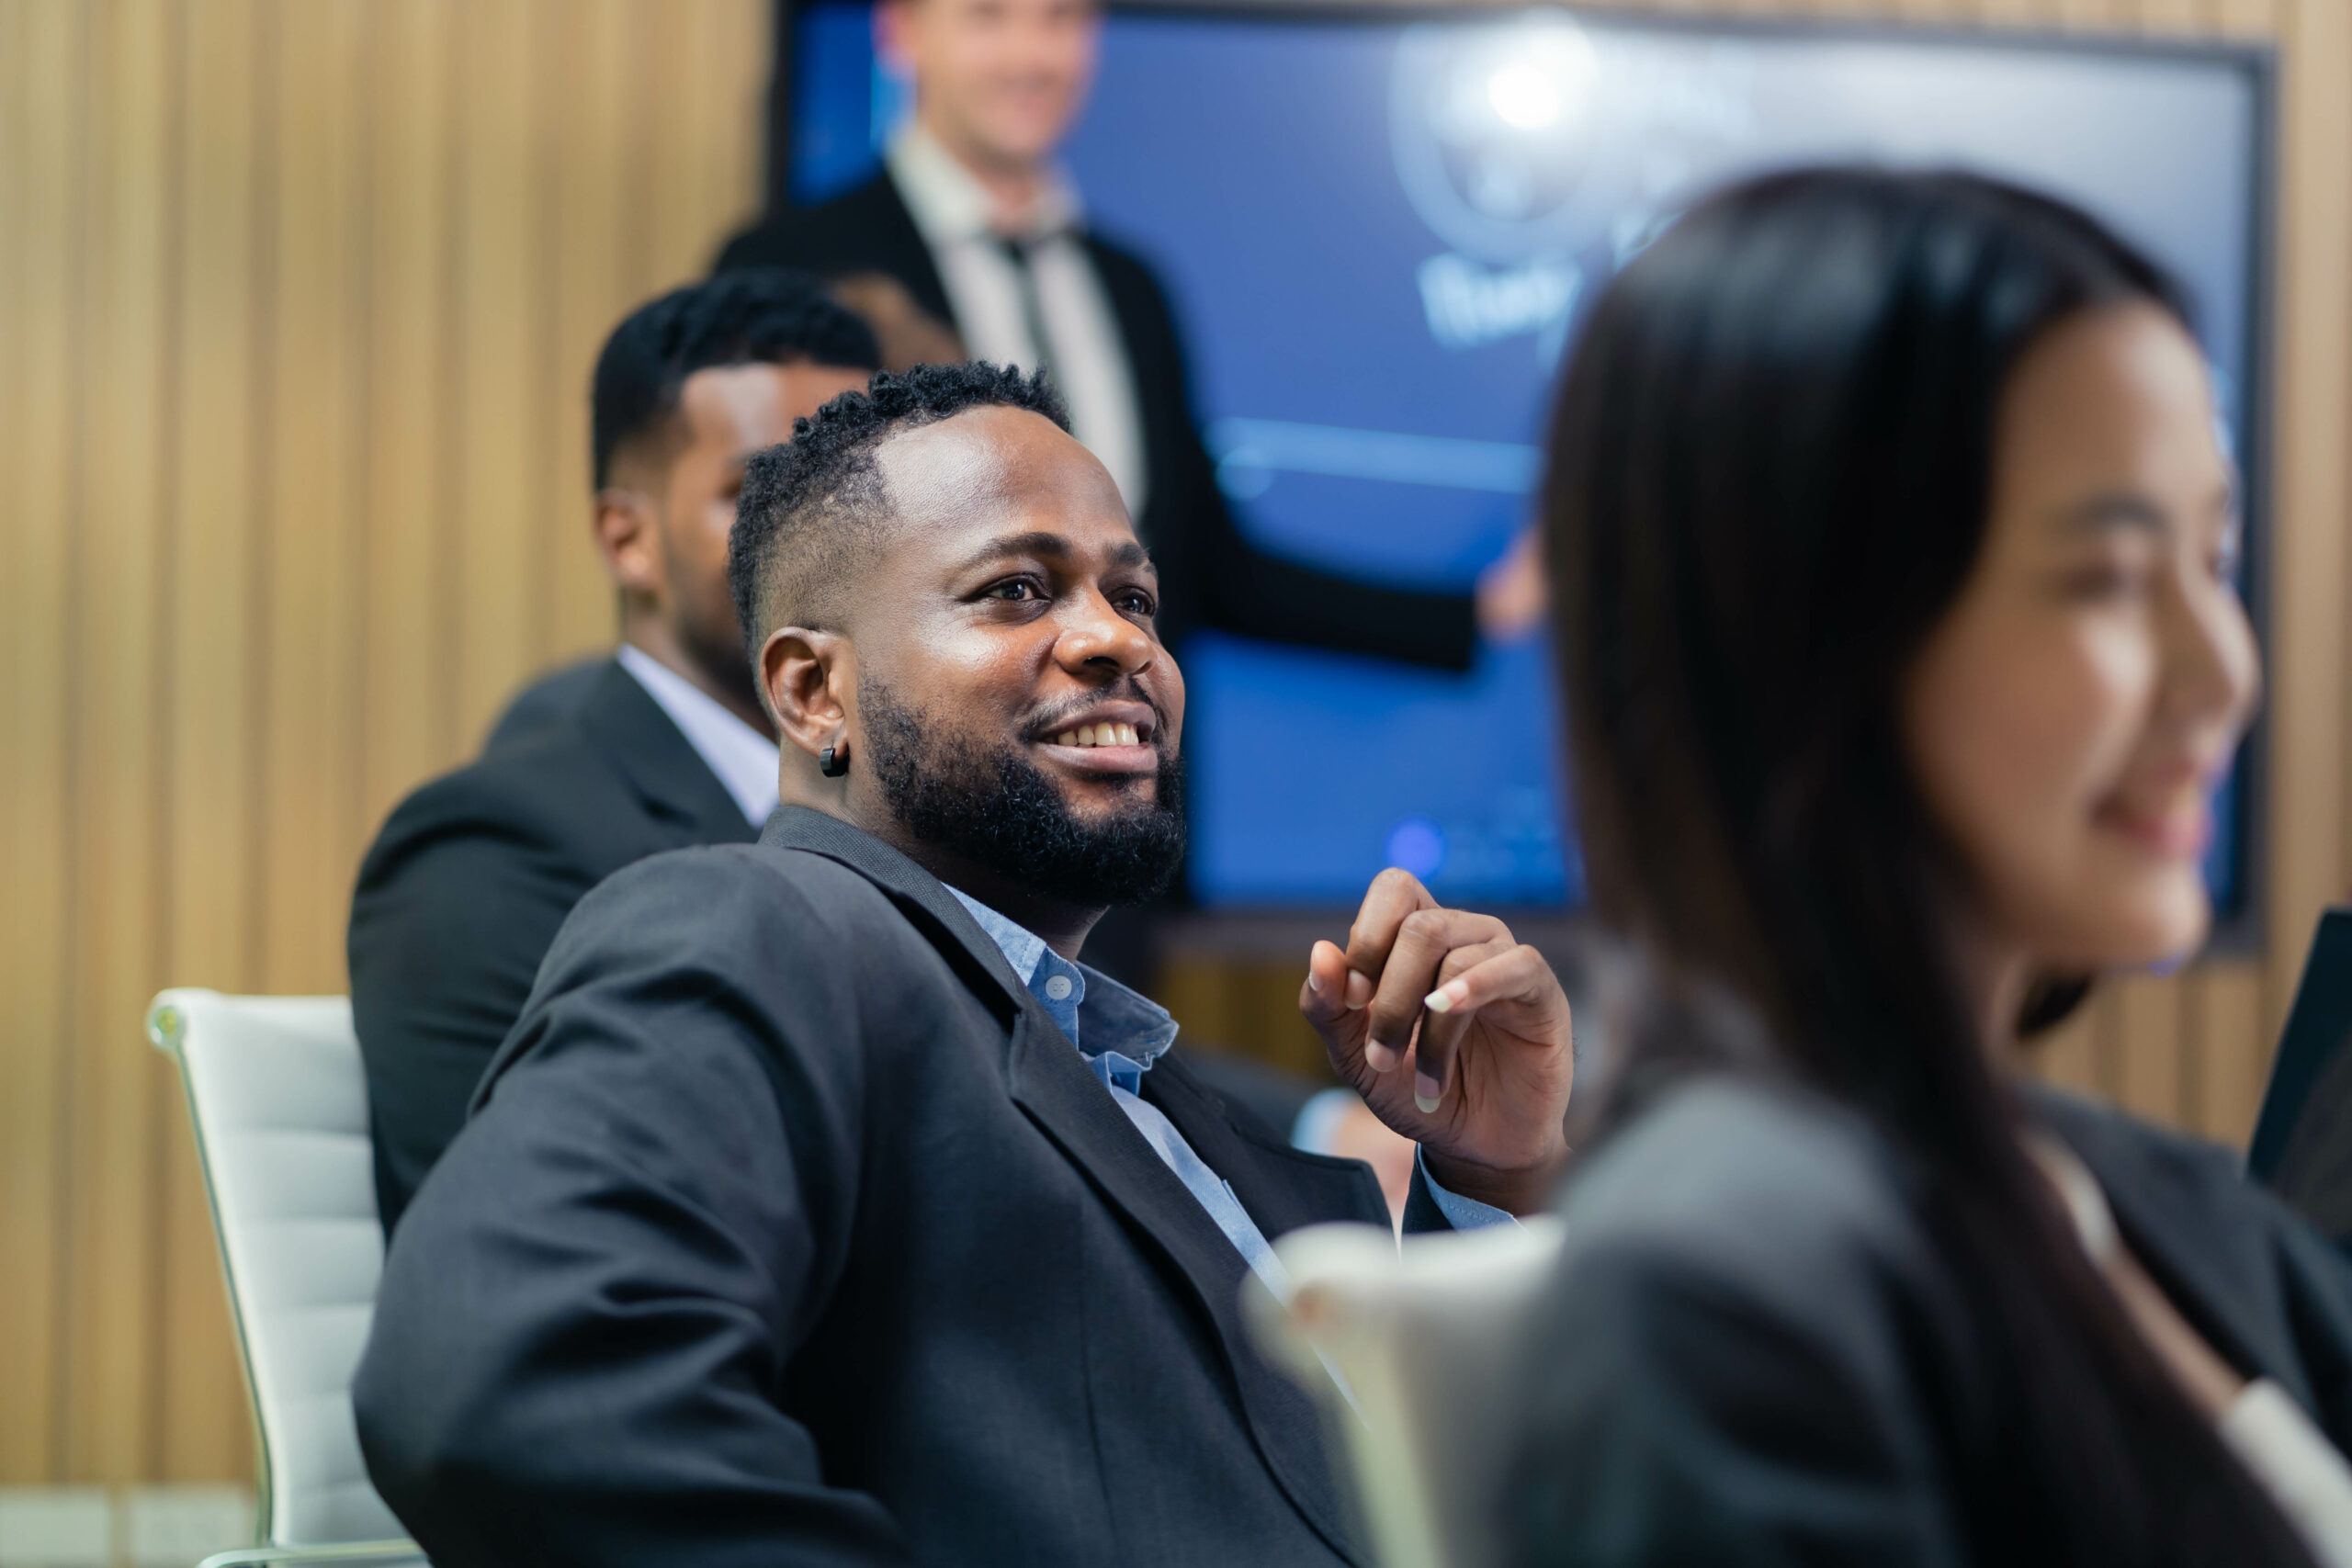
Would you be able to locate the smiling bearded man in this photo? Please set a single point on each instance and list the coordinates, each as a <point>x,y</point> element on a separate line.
<point>821,1207</point>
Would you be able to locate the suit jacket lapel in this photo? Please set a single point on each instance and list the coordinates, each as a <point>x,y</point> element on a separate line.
<point>660,764</point>
<point>2214,1272</point>
<point>900,249</point>
<point>1051,1083</point>
<point>1281,1187</point>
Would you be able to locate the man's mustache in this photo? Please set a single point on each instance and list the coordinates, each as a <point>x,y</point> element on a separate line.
<point>1048,720</point>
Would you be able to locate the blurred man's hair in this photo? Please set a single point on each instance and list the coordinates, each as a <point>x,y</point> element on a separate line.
<point>808,505</point>
<point>759,316</point>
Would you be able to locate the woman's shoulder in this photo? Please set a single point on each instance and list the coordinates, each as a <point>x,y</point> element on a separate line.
<point>1737,1176</point>
<point>1747,1340</point>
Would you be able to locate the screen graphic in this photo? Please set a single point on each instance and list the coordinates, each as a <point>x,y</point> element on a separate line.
<point>1381,234</point>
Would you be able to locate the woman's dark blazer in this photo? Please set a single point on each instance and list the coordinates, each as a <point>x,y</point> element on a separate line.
<point>1751,1354</point>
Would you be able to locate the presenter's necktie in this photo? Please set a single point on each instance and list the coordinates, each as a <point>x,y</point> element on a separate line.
<point>1018,253</point>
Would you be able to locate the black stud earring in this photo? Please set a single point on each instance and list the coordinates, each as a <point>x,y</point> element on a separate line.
<point>833,762</point>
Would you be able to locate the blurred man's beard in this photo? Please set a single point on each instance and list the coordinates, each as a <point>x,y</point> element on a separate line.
<point>706,631</point>
<point>1000,811</point>
<point>717,651</point>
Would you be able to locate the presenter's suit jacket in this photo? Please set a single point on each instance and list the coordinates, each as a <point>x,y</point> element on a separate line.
<point>1210,573</point>
<point>788,1229</point>
<point>473,875</point>
<point>1751,1352</point>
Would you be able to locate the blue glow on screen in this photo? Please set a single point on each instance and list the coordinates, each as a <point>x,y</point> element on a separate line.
<point>1380,234</point>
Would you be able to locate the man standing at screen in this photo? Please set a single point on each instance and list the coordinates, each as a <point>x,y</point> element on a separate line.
<point>972,216</point>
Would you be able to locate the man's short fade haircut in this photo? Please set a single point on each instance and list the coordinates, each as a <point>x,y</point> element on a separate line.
<point>757,316</point>
<point>808,505</point>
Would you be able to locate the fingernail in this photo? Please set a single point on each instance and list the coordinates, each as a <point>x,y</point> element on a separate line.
<point>1445,998</point>
<point>1427,1092</point>
<point>1313,982</point>
<point>1378,1057</point>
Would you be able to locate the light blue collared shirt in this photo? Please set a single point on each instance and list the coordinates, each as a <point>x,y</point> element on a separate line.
<point>1121,1035</point>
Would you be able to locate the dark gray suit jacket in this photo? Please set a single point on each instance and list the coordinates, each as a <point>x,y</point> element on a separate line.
<point>788,1229</point>
<point>1751,1354</point>
<point>473,875</point>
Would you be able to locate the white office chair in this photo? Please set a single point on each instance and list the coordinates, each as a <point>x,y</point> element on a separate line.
<point>1428,1337</point>
<point>279,1104</point>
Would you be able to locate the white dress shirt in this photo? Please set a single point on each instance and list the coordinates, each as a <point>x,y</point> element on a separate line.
<point>957,217</point>
<point>744,760</point>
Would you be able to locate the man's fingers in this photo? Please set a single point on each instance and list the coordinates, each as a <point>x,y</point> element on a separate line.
<point>1501,974</point>
<point>1323,999</point>
<point>1393,895</point>
<point>1512,974</point>
<point>1441,1042</point>
<point>1425,940</point>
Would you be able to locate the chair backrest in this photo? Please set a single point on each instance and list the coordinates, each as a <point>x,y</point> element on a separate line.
<point>1428,1338</point>
<point>280,1102</point>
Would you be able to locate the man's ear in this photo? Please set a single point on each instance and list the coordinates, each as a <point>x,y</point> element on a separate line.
<point>629,535</point>
<point>805,676</point>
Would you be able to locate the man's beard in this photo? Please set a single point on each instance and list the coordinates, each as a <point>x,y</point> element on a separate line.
<point>1000,811</point>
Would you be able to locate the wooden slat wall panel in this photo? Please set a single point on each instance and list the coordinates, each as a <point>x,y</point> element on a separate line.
<point>500,95</point>
<point>45,151</point>
<point>203,887</point>
<point>409,685</point>
<point>599,205</point>
<point>297,300</point>
<point>117,591</point>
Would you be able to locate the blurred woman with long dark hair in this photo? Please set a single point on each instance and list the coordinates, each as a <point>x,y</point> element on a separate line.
<point>1893,548</point>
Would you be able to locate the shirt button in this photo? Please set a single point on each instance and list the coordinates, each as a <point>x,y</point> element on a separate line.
<point>1058,987</point>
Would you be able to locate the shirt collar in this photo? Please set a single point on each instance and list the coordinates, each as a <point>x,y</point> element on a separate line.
<point>1096,1012</point>
<point>744,760</point>
<point>949,204</point>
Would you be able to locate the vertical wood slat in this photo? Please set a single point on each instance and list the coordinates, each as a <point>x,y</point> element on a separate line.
<point>43,141</point>
<point>2234,1061</point>
<point>498,100</point>
<point>408,682</point>
<point>113,1217</point>
<point>208,881</point>
<point>594,209</point>
<point>2246,19</point>
<point>26,1168</point>
<point>309,495</point>
<point>2149,1039</point>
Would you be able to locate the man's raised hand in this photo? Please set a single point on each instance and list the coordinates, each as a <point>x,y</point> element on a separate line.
<point>1455,1033</point>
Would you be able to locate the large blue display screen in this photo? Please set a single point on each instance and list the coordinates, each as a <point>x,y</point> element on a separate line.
<point>1380,234</point>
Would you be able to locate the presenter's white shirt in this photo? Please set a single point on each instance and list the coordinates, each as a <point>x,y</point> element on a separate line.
<point>957,217</point>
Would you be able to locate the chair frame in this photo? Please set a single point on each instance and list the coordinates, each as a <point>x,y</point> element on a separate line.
<point>167,1030</point>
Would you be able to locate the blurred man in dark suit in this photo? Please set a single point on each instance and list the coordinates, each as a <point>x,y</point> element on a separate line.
<point>822,1207</point>
<point>663,746</point>
<point>973,219</point>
